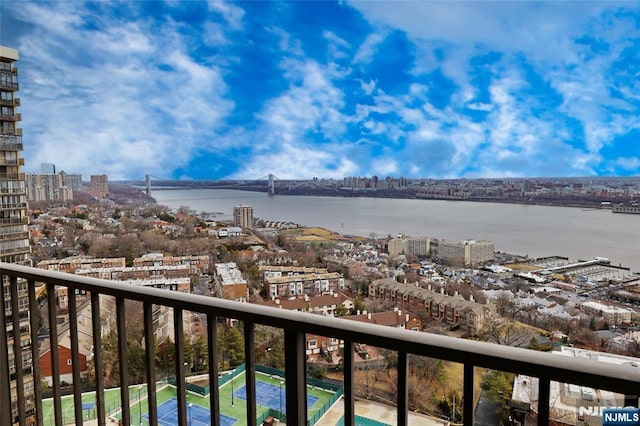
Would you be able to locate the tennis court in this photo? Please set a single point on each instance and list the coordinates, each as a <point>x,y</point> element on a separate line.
<point>271,396</point>
<point>196,415</point>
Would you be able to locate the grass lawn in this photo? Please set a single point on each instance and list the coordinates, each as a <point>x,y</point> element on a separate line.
<point>236,410</point>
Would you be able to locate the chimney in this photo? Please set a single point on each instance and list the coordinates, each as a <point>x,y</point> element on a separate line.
<point>471,298</point>
<point>364,312</point>
<point>441,290</point>
<point>455,293</point>
<point>358,312</point>
<point>405,280</point>
<point>399,313</point>
<point>335,295</point>
<point>369,316</point>
<point>429,287</point>
<point>406,318</point>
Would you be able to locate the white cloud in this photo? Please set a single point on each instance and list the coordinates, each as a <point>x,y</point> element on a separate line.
<point>479,106</point>
<point>296,161</point>
<point>232,13</point>
<point>108,102</point>
<point>629,163</point>
<point>368,48</point>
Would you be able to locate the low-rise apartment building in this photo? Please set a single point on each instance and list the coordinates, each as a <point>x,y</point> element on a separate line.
<point>309,284</point>
<point>229,282</point>
<point>613,315</point>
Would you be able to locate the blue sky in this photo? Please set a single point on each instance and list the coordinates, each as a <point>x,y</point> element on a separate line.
<point>212,90</point>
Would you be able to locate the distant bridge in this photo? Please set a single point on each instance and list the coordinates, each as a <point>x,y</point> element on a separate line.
<point>268,183</point>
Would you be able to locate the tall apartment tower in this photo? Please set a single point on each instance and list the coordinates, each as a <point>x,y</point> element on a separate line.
<point>243,216</point>
<point>99,186</point>
<point>14,234</point>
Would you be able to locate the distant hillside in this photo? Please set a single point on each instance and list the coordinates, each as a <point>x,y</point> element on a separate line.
<point>124,194</point>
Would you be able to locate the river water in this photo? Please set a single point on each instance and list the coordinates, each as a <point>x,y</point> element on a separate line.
<point>536,231</point>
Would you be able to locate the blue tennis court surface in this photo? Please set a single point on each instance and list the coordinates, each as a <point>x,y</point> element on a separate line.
<point>196,415</point>
<point>88,406</point>
<point>268,395</point>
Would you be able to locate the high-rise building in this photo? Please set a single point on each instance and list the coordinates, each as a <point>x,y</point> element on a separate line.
<point>243,216</point>
<point>70,180</point>
<point>14,234</point>
<point>99,186</point>
<point>47,187</point>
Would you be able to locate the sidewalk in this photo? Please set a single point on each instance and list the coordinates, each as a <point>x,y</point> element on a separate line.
<point>379,412</point>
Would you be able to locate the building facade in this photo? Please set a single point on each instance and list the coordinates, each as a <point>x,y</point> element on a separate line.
<point>420,246</point>
<point>243,216</point>
<point>14,233</point>
<point>72,180</point>
<point>99,186</point>
<point>465,253</point>
<point>449,310</point>
<point>47,187</point>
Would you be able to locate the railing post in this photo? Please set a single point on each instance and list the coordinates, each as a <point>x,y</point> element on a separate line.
<point>53,349</point>
<point>214,389</point>
<point>403,389</point>
<point>5,381</point>
<point>250,372</point>
<point>467,395</point>
<point>98,364</point>
<point>543,401</point>
<point>75,355</point>
<point>150,353</point>
<point>123,360</point>
<point>295,376</point>
<point>181,366</point>
<point>17,348</point>
<point>349,385</point>
<point>34,310</point>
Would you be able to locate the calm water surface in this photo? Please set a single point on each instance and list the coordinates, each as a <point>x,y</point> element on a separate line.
<point>519,229</point>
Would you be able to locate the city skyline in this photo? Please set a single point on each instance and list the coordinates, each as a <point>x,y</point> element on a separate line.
<point>322,89</point>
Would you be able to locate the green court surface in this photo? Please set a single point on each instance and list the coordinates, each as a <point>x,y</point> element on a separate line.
<point>139,407</point>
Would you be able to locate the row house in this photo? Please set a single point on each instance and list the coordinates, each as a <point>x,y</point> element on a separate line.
<point>199,264</point>
<point>309,284</point>
<point>279,271</point>
<point>71,264</point>
<point>325,304</point>
<point>316,344</point>
<point>136,273</point>
<point>395,318</point>
<point>451,310</point>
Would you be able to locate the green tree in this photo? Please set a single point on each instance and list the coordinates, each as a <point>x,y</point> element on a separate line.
<point>319,372</point>
<point>165,357</point>
<point>497,387</point>
<point>233,346</point>
<point>341,310</point>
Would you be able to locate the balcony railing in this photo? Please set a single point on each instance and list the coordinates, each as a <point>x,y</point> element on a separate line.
<point>10,102</point>
<point>11,142</point>
<point>546,367</point>
<point>11,117</point>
